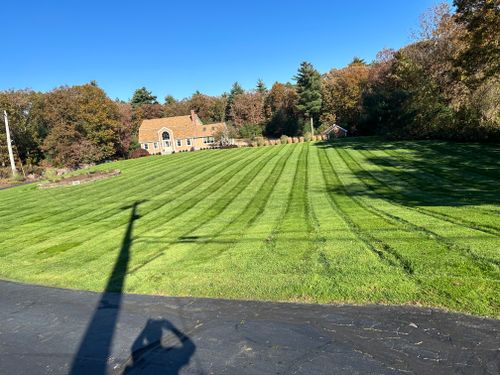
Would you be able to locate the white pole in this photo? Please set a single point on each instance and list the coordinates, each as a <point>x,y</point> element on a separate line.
<point>9,144</point>
<point>312,127</point>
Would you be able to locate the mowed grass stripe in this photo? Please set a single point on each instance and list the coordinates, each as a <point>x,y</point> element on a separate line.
<point>100,192</point>
<point>155,185</point>
<point>384,183</point>
<point>428,191</point>
<point>455,237</point>
<point>171,210</point>
<point>341,222</point>
<point>64,213</point>
<point>349,269</point>
<point>159,237</point>
<point>201,227</point>
<point>438,281</point>
<point>100,216</point>
<point>96,239</point>
<point>238,267</point>
<point>200,249</point>
<point>457,188</point>
<point>129,174</point>
<point>355,216</point>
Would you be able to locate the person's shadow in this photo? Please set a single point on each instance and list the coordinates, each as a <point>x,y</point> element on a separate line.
<point>155,351</point>
<point>150,351</point>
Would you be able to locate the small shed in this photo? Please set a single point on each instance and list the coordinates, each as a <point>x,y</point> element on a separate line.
<point>335,131</point>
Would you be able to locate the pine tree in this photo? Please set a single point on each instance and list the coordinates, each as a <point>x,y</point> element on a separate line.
<point>236,90</point>
<point>357,61</point>
<point>309,91</point>
<point>261,87</point>
<point>169,99</point>
<point>143,96</point>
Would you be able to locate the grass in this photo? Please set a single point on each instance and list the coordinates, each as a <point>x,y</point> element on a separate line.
<point>356,221</point>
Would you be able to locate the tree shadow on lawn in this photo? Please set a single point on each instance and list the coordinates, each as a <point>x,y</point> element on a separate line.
<point>148,351</point>
<point>434,173</point>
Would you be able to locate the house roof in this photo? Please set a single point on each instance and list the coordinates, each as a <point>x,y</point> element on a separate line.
<point>181,127</point>
<point>334,126</point>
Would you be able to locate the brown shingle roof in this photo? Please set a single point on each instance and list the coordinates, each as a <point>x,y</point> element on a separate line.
<point>181,127</point>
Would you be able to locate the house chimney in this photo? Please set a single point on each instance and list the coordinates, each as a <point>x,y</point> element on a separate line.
<point>193,117</point>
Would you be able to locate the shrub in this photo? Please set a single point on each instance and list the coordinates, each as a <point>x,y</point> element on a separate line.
<point>307,137</point>
<point>5,173</point>
<point>139,153</point>
<point>260,141</point>
<point>284,139</point>
<point>50,174</point>
<point>250,131</point>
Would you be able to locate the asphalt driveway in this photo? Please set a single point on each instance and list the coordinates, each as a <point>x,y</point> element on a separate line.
<point>55,331</point>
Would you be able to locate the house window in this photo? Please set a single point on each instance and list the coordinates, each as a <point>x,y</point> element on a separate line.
<point>207,140</point>
<point>165,136</point>
<point>155,145</point>
<point>145,146</point>
<point>179,142</point>
<point>189,142</point>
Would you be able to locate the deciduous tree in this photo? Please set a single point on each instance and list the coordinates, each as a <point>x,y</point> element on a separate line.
<point>280,109</point>
<point>247,108</point>
<point>83,124</point>
<point>342,91</point>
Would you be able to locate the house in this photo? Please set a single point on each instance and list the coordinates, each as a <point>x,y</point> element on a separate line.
<point>179,133</point>
<point>335,131</point>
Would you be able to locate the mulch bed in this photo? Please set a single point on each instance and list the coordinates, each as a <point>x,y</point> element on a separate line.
<point>81,179</point>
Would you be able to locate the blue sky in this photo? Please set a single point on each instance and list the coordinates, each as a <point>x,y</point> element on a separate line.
<point>179,47</point>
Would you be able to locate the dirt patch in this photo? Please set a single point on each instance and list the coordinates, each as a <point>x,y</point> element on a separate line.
<point>81,179</point>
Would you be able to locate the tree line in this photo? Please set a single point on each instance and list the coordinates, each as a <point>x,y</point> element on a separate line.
<point>444,85</point>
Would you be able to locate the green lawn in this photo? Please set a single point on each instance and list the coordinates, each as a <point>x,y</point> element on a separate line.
<point>359,221</point>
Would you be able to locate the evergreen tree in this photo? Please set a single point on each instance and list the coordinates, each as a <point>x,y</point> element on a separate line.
<point>236,90</point>
<point>261,87</point>
<point>357,61</point>
<point>169,99</point>
<point>309,91</point>
<point>143,96</point>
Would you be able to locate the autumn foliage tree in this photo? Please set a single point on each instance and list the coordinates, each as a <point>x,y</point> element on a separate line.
<point>445,84</point>
<point>280,109</point>
<point>83,125</point>
<point>425,93</point>
<point>342,92</point>
<point>247,109</point>
<point>27,126</point>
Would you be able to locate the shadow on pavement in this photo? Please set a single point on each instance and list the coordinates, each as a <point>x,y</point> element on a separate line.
<point>96,346</point>
<point>154,352</point>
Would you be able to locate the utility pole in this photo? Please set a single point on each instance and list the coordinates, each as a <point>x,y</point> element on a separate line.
<point>9,144</point>
<point>312,127</point>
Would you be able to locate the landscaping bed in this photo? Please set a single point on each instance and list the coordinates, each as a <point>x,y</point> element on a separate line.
<point>80,179</point>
